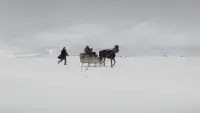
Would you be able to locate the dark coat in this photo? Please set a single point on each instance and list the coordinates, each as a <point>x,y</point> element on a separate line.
<point>63,54</point>
<point>87,50</point>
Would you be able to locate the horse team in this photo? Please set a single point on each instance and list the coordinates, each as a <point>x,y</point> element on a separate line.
<point>90,57</point>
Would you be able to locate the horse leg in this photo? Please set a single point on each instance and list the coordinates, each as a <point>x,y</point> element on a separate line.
<point>111,62</point>
<point>104,61</point>
<point>114,61</point>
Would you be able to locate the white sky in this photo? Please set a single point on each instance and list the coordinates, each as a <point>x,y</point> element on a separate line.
<point>32,25</point>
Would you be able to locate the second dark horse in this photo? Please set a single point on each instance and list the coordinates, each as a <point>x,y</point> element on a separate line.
<point>108,53</point>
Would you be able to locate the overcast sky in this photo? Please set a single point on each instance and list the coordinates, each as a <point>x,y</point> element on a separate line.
<point>32,25</point>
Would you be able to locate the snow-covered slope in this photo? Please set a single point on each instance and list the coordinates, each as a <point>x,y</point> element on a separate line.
<point>134,85</point>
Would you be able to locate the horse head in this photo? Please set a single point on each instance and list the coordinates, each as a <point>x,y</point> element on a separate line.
<point>116,48</point>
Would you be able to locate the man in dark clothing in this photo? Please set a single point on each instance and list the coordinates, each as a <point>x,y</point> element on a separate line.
<point>87,50</point>
<point>63,56</point>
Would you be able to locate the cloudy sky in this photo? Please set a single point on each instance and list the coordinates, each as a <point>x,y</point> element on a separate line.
<point>135,25</point>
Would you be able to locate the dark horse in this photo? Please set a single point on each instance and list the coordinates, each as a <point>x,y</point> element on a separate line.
<point>108,53</point>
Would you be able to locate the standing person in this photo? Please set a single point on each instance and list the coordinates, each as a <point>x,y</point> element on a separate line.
<point>63,56</point>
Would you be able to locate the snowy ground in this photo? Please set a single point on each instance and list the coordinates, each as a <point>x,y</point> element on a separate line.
<point>134,85</point>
